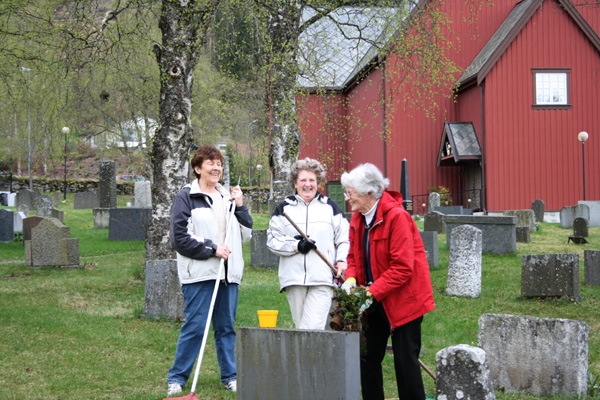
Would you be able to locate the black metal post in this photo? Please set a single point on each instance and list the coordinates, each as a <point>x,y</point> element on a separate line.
<point>583,154</point>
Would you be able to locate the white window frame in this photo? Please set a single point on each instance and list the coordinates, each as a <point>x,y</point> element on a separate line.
<point>551,88</point>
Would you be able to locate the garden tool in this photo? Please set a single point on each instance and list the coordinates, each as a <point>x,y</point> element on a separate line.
<point>341,279</point>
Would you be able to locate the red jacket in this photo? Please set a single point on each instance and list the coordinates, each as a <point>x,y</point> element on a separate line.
<point>401,280</point>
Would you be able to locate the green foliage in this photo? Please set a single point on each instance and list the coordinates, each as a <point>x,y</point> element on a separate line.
<point>349,304</point>
<point>445,194</point>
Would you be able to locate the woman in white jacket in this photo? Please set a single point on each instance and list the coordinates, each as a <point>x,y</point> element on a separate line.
<point>198,224</point>
<point>306,279</point>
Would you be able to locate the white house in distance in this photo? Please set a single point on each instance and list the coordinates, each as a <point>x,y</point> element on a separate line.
<point>132,134</point>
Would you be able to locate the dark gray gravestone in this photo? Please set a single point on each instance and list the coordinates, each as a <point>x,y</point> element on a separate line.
<point>51,245</point>
<point>430,242</point>
<point>260,254</point>
<point>86,200</point>
<point>568,214</point>
<point>591,267</point>
<point>523,235</point>
<point>128,223</point>
<point>58,214</point>
<point>539,207</point>
<point>27,197</point>
<point>450,210</point>
<point>463,369</point>
<point>107,185</point>
<point>580,227</point>
<point>7,225</point>
<point>464,262</point>
<point>297,364</point>
<point>434,221</point>
<point>499,233</point>
<point>550,275</point>
<point>163,297</point>
<point>537,356</point>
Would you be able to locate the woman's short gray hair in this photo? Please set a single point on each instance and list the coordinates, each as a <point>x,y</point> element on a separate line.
<point>365,179</point>
<point>308,164</point>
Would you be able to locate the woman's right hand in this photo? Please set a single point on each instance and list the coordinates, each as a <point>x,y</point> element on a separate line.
<point>223,251</point>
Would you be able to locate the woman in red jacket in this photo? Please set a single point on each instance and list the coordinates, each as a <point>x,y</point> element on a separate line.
<point>387,256</point>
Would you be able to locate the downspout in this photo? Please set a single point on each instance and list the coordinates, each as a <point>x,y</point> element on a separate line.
<point>483,151</point>
<point>384,124</point>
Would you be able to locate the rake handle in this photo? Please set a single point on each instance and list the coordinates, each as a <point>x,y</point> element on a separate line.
<point>316,250</point>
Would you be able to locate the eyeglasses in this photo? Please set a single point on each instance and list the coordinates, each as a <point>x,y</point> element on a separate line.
<point>348,194</point>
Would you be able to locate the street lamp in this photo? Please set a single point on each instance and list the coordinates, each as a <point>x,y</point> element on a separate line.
<point>65,131</point>
<point>28,70</point>
<point>258,168</point>
<point>583,136</point>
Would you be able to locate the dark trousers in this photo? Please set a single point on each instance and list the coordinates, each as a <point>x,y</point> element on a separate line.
<point>406,343</point>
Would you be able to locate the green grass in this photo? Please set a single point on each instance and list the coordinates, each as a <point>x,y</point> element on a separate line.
<point>79,334</point>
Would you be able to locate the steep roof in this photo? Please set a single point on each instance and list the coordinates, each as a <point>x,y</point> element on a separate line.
<point>508,31</point>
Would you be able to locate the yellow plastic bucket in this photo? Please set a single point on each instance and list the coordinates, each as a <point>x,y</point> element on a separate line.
<point>267,318</point>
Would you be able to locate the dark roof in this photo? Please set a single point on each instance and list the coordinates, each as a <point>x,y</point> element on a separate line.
<point>508,31</point>
<point>459,144</point>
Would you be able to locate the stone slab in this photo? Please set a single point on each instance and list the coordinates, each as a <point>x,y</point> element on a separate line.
<point>499,233</point>
<point>163,297</point>
<point>297,364</point>
<point>101,218</point>
<point>430,242</point>
<point>260,254</point>
<point>591,267</point>
<point>594,207</point>
<point>537,356</point>
<point>569,213</point>
<point>86,200</point>
<point>550,275</point>
<point>7,225</point>
<point>128,223</point>
<point>462,373</point>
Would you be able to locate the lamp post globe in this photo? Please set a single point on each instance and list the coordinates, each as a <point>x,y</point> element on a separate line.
<point>258,168</point>
<point>583,136</point>
<point>65,131</point>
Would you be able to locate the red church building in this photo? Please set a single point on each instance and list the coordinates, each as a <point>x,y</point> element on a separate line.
<point>506,130</point>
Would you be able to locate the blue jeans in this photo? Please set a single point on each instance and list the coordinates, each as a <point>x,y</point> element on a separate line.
<point>197,302</point>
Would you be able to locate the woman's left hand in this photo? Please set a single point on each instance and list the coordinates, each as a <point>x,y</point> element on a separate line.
<point>341,268</point>
<point>238,196</point>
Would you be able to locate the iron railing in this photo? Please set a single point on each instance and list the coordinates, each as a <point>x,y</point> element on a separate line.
<point>470,199</point>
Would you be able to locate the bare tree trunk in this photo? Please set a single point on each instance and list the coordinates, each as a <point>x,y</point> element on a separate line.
<point>183,25</point>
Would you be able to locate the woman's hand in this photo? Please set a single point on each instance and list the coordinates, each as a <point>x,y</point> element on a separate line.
<point>341,268</point>
<point>238,196</point>
<point>223,251</point>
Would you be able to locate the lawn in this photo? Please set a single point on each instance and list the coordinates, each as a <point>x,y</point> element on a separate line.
<point>80,333</point>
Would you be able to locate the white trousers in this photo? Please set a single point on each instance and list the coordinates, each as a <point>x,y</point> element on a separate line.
<point>310,305</point>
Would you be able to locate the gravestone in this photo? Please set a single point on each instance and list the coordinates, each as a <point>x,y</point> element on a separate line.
<point>464,262</point>
<point>107,185</point>
<point>28,224</point>
<point>524,218</point>
<point>499,232</point>
<point>143,194</point>
<point>430,242</point>
<point>594,207</point>
<point>434,221</point>
<point>27,197</point>
<point>539,207</point>
<point>11,199</point>
<point>101,218</point>
<point>580,227</point>
<point>433,201</point>
<point>569,213</point>
<point>43,205</point>
<point>550,275</point>
<point>163,297</point>
<point>277,363</point>
<point>260,254</point>
<point>52,246</point>
<point>591,267</point>
<point>538,356</point>
<point>450,210</point>
<point>7,225</point>
<point>86,200</point>
<point>18,221</point>
<point>128,223</point>
<point>58,214</point>
<point>523,235</point>
<point>462,372</point>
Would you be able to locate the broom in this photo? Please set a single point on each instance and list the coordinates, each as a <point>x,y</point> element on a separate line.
<point>192,395</point>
